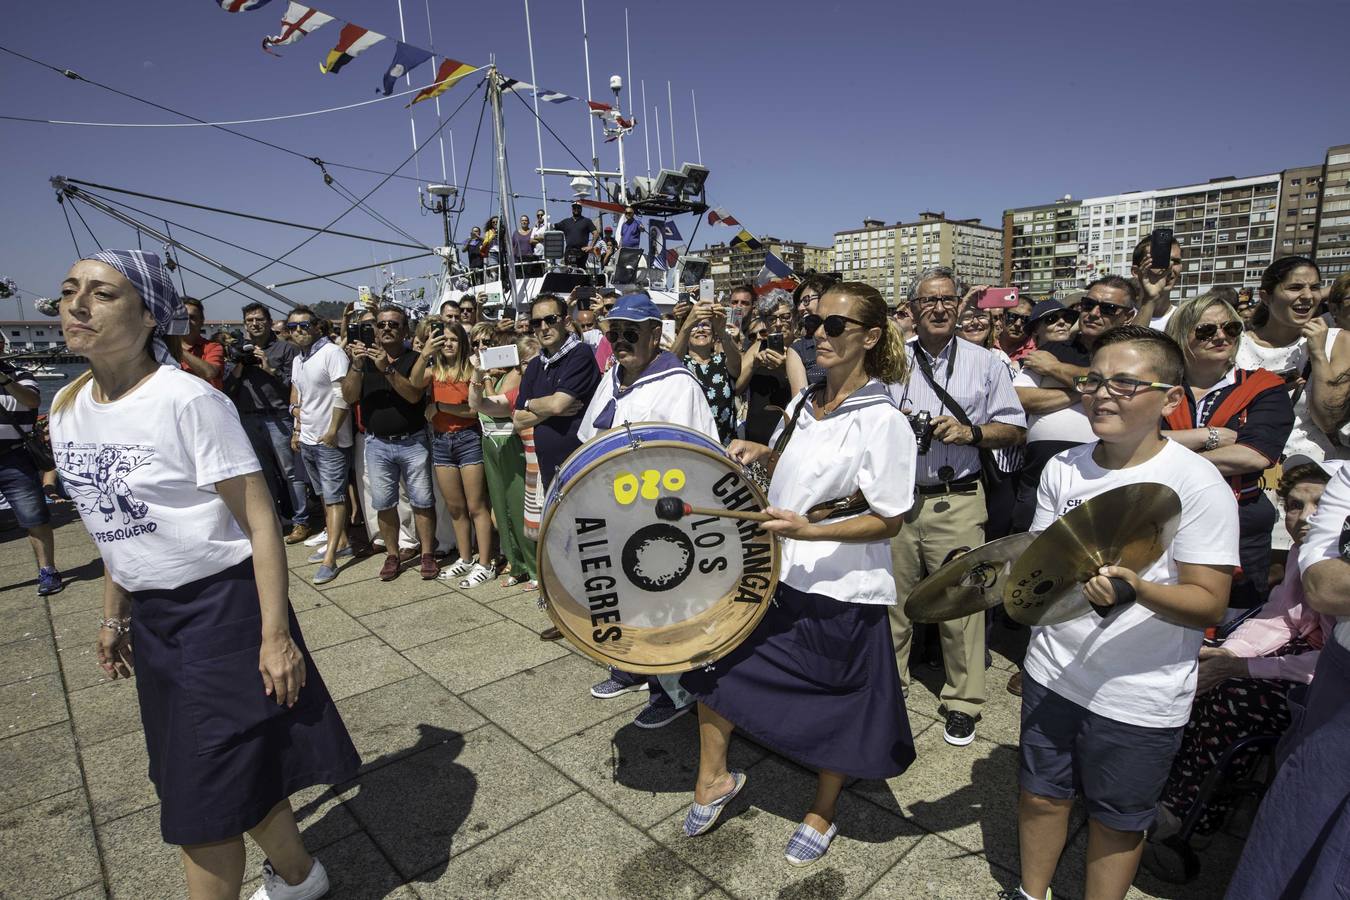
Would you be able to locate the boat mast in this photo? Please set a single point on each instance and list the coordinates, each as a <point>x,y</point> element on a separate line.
<point>507,221</point>
<point>538,134</point>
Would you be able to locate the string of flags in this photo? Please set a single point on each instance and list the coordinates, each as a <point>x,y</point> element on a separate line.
<point>300,20</point>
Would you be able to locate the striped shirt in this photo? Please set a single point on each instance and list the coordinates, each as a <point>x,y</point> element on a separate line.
<point>14,413</point>
<point>976,379</point>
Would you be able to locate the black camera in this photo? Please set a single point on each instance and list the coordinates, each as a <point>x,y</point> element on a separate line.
<point>240,350</point>
<point>922,423</point>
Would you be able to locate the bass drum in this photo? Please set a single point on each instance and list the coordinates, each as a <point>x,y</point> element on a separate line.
<point>639,593</point>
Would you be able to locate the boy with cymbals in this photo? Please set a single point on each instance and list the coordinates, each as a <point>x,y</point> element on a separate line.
<point>1105,699</point>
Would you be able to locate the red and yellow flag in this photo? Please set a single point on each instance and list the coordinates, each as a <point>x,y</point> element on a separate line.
<point>447,76</point>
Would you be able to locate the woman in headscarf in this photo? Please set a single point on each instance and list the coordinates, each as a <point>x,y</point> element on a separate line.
<point>236,717</point>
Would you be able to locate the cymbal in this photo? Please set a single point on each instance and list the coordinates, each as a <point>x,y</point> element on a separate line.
<point>968,584</point>
<point>1128,526</point>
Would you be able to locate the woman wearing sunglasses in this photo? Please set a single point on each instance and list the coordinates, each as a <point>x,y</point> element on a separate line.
<point>817,680</point>
<point>1238,419</point>
<point>456,447</point>
<point>764,378</point>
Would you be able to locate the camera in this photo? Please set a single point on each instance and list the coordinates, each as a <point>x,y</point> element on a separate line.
<point>240,350</point>
<point>922,423</point>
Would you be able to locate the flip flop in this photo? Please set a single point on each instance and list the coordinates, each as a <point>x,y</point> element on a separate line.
<point>703,817</point>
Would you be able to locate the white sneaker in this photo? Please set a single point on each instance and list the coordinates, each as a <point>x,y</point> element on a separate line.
<point>461,567</point>
<point>274,887</point>
<point>315,540</point>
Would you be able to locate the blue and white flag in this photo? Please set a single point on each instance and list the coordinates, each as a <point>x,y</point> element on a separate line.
<point>234,6</point>
<point>553,96</point>
<point>406,58</point>
<point>670,232</point>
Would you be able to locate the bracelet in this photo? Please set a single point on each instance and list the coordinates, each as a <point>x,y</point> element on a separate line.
<point>119,625</point>
<point>1211,442</point>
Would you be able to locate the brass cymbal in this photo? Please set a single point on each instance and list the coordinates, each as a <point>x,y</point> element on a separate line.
<point>968,584</point>
<point>1128,526</point>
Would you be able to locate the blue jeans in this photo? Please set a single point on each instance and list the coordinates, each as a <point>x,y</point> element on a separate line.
<point>21,486</point>
<point>327,469</point>
<point>407,459</point>
<point>270,435</point>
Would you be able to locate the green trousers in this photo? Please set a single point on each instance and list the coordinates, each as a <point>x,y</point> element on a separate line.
<point>504,468</point>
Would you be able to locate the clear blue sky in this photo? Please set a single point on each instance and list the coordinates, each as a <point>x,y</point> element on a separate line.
<point>813,115</point>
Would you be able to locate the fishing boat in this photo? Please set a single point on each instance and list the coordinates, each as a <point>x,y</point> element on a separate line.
<point>46,372</point>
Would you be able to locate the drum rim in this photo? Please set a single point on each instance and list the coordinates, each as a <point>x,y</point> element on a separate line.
<point>734,640</point>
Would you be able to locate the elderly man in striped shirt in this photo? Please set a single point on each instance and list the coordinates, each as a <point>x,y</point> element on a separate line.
<point>966,392</point>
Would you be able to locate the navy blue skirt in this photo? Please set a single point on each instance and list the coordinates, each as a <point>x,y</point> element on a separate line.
<point>816,681</point>
<point>223,753</point>
<point>1299,846</point>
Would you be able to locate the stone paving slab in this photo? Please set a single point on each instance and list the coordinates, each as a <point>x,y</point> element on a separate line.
<point>487,768</point>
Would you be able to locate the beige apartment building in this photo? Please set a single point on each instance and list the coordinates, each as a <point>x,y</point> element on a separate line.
<point>889,256</point>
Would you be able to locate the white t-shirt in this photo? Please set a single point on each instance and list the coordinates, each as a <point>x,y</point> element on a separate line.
<point>316,378</point>
<point>1068,424</point>
<point>1135,666</point>
<point>1324,537</point>
<point>666,392</point>
<point>866,443</point>
<point>1159,323</point>
<point>1306,438</point>
<point>143,470</point>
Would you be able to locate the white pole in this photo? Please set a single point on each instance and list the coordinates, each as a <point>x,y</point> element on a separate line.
<point>440,138</point>
<point>590,119</point>
<point>454,170</point>
<point>417,167</point>
<point>670,106</point>
<point>628,52</point>
<point>698,142</point>
<point>538,134</point>
<point>656,119</point>
<point>645,142</point>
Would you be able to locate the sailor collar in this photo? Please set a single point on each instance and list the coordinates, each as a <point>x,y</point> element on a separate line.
<point>872,393</point>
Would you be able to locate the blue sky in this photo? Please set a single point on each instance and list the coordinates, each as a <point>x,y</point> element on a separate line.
<point>812,116</point>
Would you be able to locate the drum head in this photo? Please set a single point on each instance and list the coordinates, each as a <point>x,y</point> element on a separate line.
<point>648,595</point>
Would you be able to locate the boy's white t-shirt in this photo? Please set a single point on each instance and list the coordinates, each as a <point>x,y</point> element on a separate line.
<point>1134,666</point>
<point>143,470</point>
<point>315,378</point>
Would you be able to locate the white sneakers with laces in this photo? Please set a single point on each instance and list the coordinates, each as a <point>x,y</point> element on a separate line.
<point>274,887</point>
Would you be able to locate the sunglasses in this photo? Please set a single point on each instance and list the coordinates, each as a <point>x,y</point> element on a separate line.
<point>482,343</point>
<point>628,335</point>
<point>833,325</point>
<point>1209,330</point>
<point>807,298</point>
<point>1067,316</point>
<point>759,335</point>
<point>299,326</point>
<point>1015,317</point>
<point>552,319</point>
<point>1087,305</point>
<point>391,326</point>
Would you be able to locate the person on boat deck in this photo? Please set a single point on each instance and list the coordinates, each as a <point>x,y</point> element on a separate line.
<point>648,385</point>
<point>236,717</point>
<point>630,229</point>
<point>816,680</point>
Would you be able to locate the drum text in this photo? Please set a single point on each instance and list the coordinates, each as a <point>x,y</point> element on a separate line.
<point>600,595</point>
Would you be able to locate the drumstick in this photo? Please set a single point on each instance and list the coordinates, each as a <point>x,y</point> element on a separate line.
<point>672,509</point>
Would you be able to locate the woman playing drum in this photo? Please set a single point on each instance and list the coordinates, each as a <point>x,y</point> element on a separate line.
<point>817,679</point>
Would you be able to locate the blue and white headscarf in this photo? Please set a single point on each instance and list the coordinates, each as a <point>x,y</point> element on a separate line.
<point>151,280</point>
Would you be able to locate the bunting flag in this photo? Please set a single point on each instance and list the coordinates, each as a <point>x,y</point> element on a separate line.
<point>511,85</point>
<point>720,216</point>
<point>597,106</point>
<point>450,72</point>
<point>552,96</point>
<point>669,231</point>
<point>297,22</point>
<point>672,257</point>
<point>603,205</point>
<point>656,245</point>
<point>406,58</point>
<point>351,43</point>
<point>234,6</point>
<point>774,274</point>
<point>744,240</point>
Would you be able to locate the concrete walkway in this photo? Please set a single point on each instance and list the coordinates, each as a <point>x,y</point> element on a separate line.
<point>489,770</point>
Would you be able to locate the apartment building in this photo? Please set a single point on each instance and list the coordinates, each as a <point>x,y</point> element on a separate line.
<point>1332,235</point>
<point>1040,247</point>
<point>730,267</point>
<point>889,256</point>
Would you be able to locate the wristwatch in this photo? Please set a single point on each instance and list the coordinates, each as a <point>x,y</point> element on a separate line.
<point>976,435</point>
<point>1211,442</point>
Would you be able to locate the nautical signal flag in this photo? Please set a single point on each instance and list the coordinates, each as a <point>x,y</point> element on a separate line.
<point>297,22</point>
<point>449,74</point>
<point>774,274</point>
<point>669,231</point>
<point>744,240</point>
<point>553,96</point>
<point>351,42</point>
<point>233,6</point>
<point>406,58</point>
<point>720,215</point>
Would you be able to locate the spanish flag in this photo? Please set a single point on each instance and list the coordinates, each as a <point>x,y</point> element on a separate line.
<point>447,76</point>
<point>351,42</point>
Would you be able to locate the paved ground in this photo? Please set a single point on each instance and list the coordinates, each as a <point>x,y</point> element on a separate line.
<point>489,771</point>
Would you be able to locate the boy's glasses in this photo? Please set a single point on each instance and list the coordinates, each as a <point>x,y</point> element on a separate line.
<point>1117,385</point>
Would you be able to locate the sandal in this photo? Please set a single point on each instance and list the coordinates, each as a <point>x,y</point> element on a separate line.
<point>479,574</point>
<point>513,580</point>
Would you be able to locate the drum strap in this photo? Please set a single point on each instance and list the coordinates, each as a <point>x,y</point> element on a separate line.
<point>852,505</point>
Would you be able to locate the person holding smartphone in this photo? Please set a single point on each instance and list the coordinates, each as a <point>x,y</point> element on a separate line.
<point>1156,266</point>
<point>763,378</point>
<point>708,351</point>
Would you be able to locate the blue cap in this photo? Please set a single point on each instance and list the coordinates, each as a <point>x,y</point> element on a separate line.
<point>634,308</point>
<point>1043,309</point>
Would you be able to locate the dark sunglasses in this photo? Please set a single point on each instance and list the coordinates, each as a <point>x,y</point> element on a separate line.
<point>1209,330</point>
<point>482,343</point>
<point>628,335</point>
<point>297,326</point>
<point>1087,305</point>
<point>833,325</point>
<point>552,319</point>
<point>1068,316</point>
<point>1009,318</point>
<point>389,325</point>
<point>759,335</point>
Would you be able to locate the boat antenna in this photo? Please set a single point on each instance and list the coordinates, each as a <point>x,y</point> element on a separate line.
<point>538,132</point>
<point>645,142</point>
<point>431,41</point>
<point>412,122</point>
<point>670,106</point>
<point>590,120</point>
<point>698,142</point>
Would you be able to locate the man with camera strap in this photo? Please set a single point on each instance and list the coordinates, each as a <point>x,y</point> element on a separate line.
<point>960,402</point>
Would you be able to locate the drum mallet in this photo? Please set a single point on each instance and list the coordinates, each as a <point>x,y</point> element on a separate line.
<point>672,509</point>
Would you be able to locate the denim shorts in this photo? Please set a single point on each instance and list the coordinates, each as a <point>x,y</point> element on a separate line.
<point>457,448</point>
<point>21,486</point>
<point>327,470</point>
<point>407,459</point>
<point>1119,768</point>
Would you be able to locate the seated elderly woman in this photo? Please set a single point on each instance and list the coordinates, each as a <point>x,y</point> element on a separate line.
<point>1243,686</point>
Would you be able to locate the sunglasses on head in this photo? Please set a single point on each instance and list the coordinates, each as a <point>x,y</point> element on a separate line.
<point>551,319</point>
<point>1209,330</point>
<point>1067,316</point>
<point>1087,305</point>
<point>833,325</point>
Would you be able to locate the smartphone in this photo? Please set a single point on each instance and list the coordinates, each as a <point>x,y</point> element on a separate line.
<point>735,315</point>
<point>707,291</point>
<point>668,331</point>
<point>504,357</point>
<point>1160,247</point>
<point>997,298</point>
<point>365,333</point>
<point>775,342</point>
